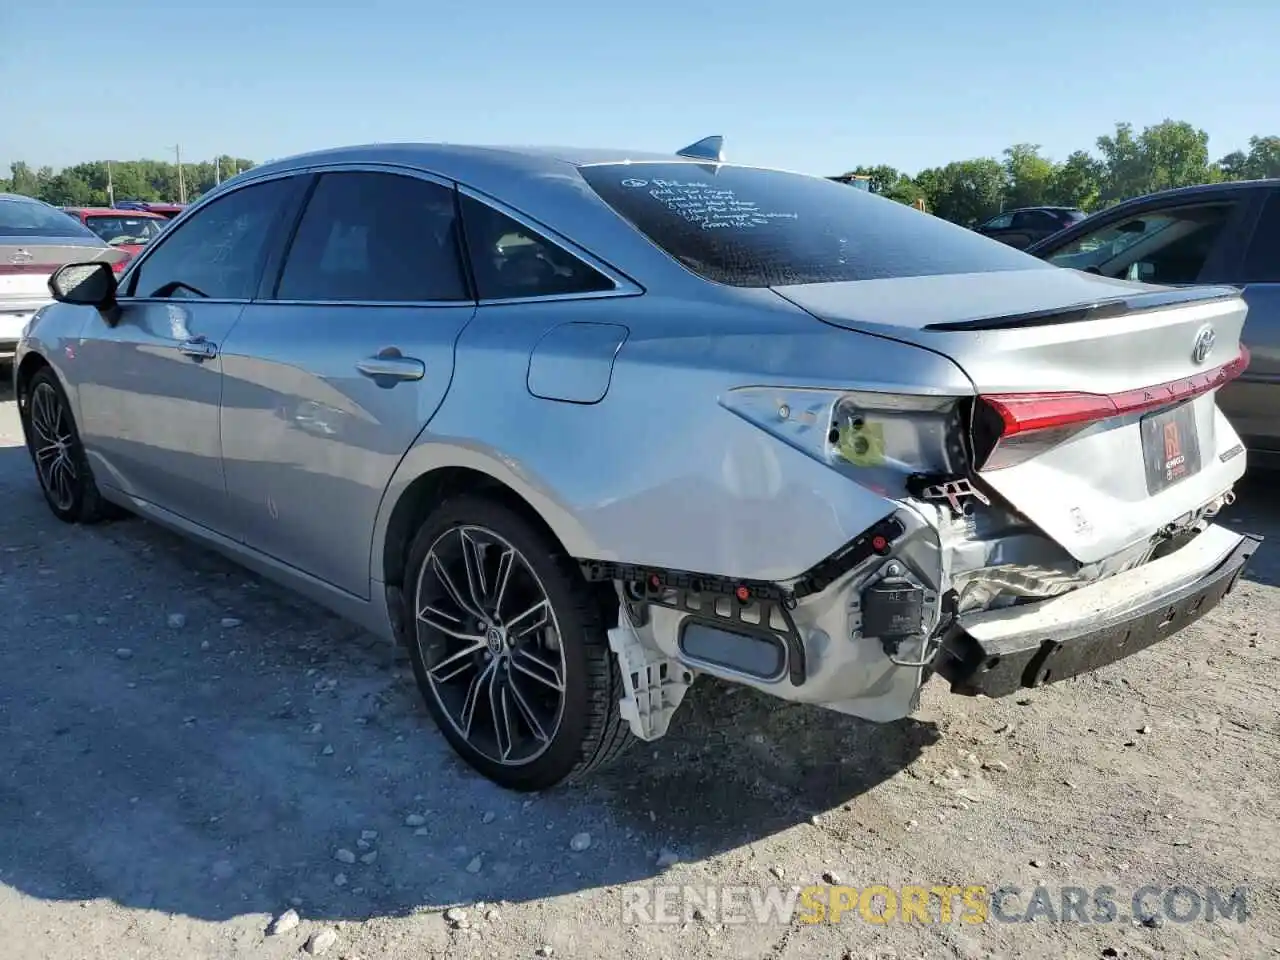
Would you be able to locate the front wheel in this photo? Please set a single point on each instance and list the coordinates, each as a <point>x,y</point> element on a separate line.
<point>509,647</point>
<point>54,444</point>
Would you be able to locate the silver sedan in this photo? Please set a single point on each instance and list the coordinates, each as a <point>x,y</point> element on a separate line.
<point>577,427</point>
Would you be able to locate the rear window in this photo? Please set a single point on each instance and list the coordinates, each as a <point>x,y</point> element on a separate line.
<point>749,227</point>
<point>123,229</point>
<point>30,218</point>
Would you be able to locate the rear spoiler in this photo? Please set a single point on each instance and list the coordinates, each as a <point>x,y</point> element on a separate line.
<point>1098,310</point>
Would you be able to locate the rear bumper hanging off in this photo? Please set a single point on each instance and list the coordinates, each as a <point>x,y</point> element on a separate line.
<point>999,654</point>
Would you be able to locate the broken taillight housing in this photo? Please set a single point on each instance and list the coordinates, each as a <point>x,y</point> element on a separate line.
<point>902,433</point>
<point>1011,428</point>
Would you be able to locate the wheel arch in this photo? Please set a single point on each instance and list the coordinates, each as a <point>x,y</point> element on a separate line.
<point>427,478</point>
<point>27,368</point>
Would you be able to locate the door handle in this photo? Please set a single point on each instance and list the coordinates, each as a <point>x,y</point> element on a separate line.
<point>198,348</point>
<point>384,367</point>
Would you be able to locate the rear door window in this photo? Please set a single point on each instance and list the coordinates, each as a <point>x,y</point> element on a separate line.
<point>1158,246</point>
<point>750,227</point>
<point>375,238</point>
<point>510,260</point>
<point>1262,262</point>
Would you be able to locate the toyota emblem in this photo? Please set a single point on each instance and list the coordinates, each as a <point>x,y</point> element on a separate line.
<point>21,256</point>
<point>1203,345</point>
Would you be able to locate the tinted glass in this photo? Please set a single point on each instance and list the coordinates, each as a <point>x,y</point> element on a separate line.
<point>511,260</point>
<point>753,228</point>
<point>1165,246</point>
<point>1002,222</point>
<point>1262,263</point>
<point>125,229</point>
<point>219,251</point>
<point>30,218</point>
<point>375,237</point>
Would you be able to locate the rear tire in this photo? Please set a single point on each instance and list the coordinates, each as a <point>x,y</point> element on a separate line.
<point>509,647</point>
<point>57,453</point>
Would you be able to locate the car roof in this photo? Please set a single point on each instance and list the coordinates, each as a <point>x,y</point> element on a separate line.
<point>1229,186</point>
<point>459,161</point>
<point>21,196</point>
<point>112,212</point>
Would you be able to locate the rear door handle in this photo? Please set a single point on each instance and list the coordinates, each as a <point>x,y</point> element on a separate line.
<point>198,348</point>
<point>384,367</point>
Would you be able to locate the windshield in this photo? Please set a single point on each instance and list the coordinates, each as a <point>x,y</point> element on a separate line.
<point>750,227</point>
<point>118,229</point>
<point>20,217</point>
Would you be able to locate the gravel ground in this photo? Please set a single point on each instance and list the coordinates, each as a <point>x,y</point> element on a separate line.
<point>190,752</point>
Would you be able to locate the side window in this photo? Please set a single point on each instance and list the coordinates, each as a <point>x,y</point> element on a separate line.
<point>1002,222</point>
<point>375,237</point>
<point>509,260</point>
<point>1262,262</point>
<point>1030,220</point>
<point>218,253</point>
<point>1166,246</point>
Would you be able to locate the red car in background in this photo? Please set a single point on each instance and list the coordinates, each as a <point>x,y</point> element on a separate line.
<point>126,230</point>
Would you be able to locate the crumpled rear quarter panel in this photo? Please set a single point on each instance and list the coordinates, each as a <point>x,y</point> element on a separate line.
<point>658,472</point>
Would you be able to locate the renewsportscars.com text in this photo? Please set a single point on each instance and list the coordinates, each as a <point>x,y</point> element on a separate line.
<point>937,904</point>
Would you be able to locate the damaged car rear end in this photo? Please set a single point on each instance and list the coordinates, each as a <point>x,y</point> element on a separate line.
<point>1074,497</point>
<point>1036,455</point>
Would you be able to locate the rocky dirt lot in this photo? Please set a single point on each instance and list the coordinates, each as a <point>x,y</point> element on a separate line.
<point>189,753</point>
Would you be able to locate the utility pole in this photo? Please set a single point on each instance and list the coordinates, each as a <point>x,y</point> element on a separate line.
<point>217,170</point>
<point>182,186</point>
<point>111,190</point>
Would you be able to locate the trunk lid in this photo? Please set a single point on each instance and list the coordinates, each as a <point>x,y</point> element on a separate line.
<point>26,264</point>
<point>1145,446</point>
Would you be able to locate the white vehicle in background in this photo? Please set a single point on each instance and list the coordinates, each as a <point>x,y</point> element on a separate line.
<point>35,239</point>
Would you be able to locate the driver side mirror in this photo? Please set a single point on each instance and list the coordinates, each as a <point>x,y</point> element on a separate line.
<point>91,284</point>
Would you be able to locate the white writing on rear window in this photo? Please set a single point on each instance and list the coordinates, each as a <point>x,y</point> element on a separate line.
<point>711,207</point>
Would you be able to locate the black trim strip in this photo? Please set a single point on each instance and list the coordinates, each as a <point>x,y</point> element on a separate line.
<point>1098,310</point>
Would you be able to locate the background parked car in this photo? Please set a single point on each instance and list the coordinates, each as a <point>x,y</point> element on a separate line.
<point>1218,233</point>
<point>1027,225</point>
<point>166,210</point>
<point>126,230</point>
<point>35,239</point>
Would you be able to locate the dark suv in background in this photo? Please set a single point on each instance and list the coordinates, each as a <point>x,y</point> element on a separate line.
<point>1026,225</point>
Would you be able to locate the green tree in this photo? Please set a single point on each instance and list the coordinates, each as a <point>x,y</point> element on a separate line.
<point>889,182</point>
<point>966,191</point>
<point>1030,177</point>
<point>1260,162</point>
<point>1176,153</point>
<point>22,180</point>
<point>1124,168</point>
<point>1077,181</point>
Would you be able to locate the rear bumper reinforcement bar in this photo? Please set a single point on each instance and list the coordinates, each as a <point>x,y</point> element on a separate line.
<point>998,666</point>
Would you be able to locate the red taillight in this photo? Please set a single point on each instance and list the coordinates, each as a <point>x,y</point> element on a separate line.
<point>1020,425</point>
<point>119,265</point>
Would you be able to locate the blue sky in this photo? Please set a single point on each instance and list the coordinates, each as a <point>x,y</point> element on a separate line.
<point>814,85</point>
